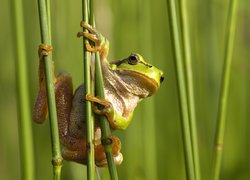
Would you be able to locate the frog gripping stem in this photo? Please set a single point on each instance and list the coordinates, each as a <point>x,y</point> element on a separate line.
<point>44,50</point>
<point>101,44</point>
<point>103,107</point>
<point>40,111</point>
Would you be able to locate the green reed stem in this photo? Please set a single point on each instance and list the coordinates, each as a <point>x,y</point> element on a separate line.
<point>220,130</point>
<point>88,90</point>
<point>100,93</point>
<point>25,130</point>
<point>189,85</point>
<point>49,19</point>
<point>181,86</point>
<point>104,123</point>
<point>45,39</point>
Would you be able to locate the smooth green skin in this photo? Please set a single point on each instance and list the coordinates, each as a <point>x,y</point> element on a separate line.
<point>149,76</point>
<point>143,68</point>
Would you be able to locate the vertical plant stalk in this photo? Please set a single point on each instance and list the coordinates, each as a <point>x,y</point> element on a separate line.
<point>24,118</point>
<point>105,128</point>
<point>189,85</point>
<point>49,20</point>
<point>181,86</point>
<point>89,117</point>
<point>104,123</point>
<point>220,130</point>
<point>57,158</point>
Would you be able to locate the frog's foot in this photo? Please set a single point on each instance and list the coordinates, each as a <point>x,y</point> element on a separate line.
<point>79,154</point>
<point>44,50</point>
<point>101,44</point>
<point>100,157</point>
<point>104,107</point>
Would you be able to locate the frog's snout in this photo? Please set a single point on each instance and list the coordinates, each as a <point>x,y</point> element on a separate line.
<point>161,77</point>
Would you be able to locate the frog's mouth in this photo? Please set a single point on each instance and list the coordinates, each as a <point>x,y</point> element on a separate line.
<point>141,84</point>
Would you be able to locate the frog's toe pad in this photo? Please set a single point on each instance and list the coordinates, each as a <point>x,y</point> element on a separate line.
<point>44,50</point>
<point>106,105</point>
<point>90,48</point>
<point>106,110</point>
<point>118,160</point>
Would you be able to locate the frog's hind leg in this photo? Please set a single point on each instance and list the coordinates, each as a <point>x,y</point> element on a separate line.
<point>40,110</point>
<point>80,156</point>
<point>74,155</point>
<point>71,132</point>
<point>64,98</point>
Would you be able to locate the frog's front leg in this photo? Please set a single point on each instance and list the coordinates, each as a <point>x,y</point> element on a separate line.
<point>104,107</point>
<point>101,44</point>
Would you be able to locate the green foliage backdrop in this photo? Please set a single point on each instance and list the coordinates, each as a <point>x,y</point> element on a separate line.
<point>152,144</point>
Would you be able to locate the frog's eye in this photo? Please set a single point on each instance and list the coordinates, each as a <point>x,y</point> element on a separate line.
<point>133,59</point>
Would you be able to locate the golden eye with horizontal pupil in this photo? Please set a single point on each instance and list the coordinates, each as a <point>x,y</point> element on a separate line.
<point>133,59</point>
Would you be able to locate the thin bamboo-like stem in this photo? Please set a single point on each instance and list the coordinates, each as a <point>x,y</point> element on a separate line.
<point>57,158</point>
<point>104,123</point>
<point>49,19</point>
<point>220,130</point>
<point>189,163</point>
<point>189,83</point>
<point>89,116</point>
<point>24,118</point>
<point>105,128</point>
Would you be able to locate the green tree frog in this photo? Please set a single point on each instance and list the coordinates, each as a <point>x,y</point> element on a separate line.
<point>126,82</point>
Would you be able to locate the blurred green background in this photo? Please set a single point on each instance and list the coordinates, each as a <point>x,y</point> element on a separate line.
<point>152,144</point>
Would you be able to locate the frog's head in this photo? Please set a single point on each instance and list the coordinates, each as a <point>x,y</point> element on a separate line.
<point>143,77</point>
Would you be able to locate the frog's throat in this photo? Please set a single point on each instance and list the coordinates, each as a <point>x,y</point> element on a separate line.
<point>150,84</point>
<point>122,77</point>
